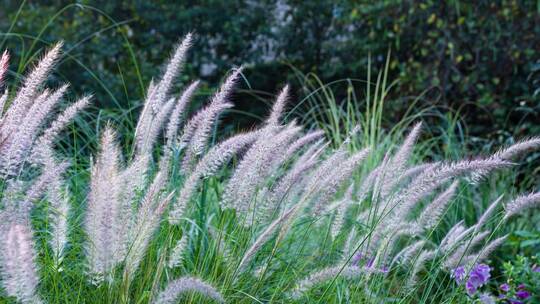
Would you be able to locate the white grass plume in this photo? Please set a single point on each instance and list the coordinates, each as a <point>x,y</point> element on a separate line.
<point>428,181</point>
<point>30,89</point>
<point>278,107</point>
<point>49,135</point>
<point>105,248</point>
<point>338,175</point>
<point>197,131</point>
<point>176,288</point>
<point>148,220</point>
<point>432,213</point>
<point>324,275</point>
<point>176,255</point>
<point>487,214</point>
<point>419,264</point>
<point>176,118</point>
<point>149,124</point>
<point>208,166</point>
<point>4,65</point>
<point>397,164</point>
<point>264,237</point>
<point>18,269</point>
<point>508,154</point>
<point>57,195</point>
<point>521,203</point>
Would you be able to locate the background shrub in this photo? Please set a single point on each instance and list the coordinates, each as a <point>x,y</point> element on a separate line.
<point>479,58</point>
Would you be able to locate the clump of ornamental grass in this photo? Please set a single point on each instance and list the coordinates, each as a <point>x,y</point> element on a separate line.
<point>283,176</point>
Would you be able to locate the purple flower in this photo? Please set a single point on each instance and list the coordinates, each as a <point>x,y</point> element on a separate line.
<point>521,286</point>
<point>536,268</point>
<point>471,287</point>
<point>515,302</point>
<point>370,262</point>
<point>486,298</point>
<point>479,276</point>
<point>458,274</point>
<point>482,272</point>
<point>356,259</point>
<point>522,294</point>
<point>504,287</point>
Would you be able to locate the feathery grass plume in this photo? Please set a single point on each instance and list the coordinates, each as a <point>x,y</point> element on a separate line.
<point>265,236</point>
<point>521,203</point>
<point>3,99</point>
<point>340,210</point>
<point>105,248</point>
<point>38,187</point>
<point>485,252</point>
<point>197,131</point>
<point>332,182</point>
<point>176,119</point>
<point>30,89</point>
<point>451,235</point>
<point>390,240</point>
<point>302,142</point>
<point>59,209</point>
<point>292,182</point>
<point>41,149</point>
<point>171,73</point>
<point>208,166</point>
<point>324,275</point>
<point>22,121</point>
<point>178,287</point>
<point>4,65</point>
<point>24,136</point>
<point>262,209</point>
<point>487,214</point>
<point>152,132</point>
<point>148,220</point>
<point>18,268</point>
<point>132,181</point>
<point>59,219</point>
<point>508,154</point>
<point>156,98</point>
<point>419,264</point>
<point>278,107</point>
<point>428,181</point>
<point>456,255</point>
<point>431,215</point>
<point>176,256</point>
<point>398,163</point>
<point>407,253</point>
<point>255,168</point>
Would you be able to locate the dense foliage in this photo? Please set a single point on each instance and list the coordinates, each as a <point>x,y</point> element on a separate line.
<point>479,58</point>
<point>273,214</point>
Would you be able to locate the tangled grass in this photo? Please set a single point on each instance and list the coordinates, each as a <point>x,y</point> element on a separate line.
<point>267,215</point>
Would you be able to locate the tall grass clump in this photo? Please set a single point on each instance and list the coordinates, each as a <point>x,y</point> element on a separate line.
<point>270,214</point>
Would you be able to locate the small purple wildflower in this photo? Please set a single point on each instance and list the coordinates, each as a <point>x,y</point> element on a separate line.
<point>356,259</point>
<point>523,294</point>
<point>536,268</point>
<point>458,274</point>
<point>370,263</point>
<point>504,287</point>
<point>521,286</point>
<point>486,298</point>
<point>515,302</point>
<point>479,276</point>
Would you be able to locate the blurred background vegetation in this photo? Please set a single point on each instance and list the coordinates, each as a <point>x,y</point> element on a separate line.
<point>477,59</point>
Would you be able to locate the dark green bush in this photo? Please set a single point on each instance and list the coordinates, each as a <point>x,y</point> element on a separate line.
<point>480,58</point>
